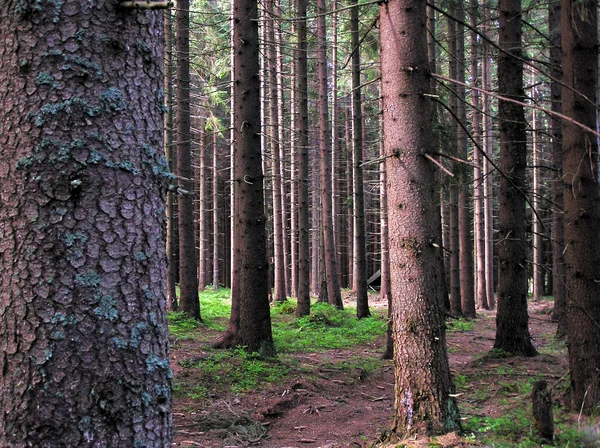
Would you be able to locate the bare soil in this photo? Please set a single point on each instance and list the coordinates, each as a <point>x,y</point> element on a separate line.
<point>350,407</point>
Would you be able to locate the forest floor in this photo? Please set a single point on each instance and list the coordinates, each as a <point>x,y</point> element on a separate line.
<point>345,397</point>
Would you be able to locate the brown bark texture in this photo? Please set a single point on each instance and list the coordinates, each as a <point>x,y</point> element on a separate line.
<point>254,320</point>
<point>423,383</point>
<point>512,330</point>
<point>83,331</point>
<point>581,202</point>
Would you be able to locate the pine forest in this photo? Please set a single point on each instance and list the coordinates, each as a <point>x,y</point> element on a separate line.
<point>282,223</point>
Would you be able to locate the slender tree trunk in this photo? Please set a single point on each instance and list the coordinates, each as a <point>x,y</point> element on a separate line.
<point>512,329</point>
<point>169,155</point>
<point>423,382</point>
<point>349,207</point>
<point>331,272</point>
<point>478,160</point>
<point>303,178</point>
<point>188,285</point>
<point>538,248</point>
<point>581,201</point>
<point>465,220</point>
<point>316,254</point>
<point>83,329</point>
<point>204,204</point>
<point>335,141</point>
<point>558,232</point>
<point>488,196</point>
<point>216,252</point>
<point>360,250</point>
<point>279,294</point>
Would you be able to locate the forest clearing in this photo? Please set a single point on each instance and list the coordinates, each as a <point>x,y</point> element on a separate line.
<point>313,396</point>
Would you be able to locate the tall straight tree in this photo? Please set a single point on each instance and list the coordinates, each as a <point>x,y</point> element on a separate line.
<point>581,200</point>
<point>512,329</point>
<point>301,80</point>
<point>254,319</point>
<point>83,331</point>
<point>423,381</point>
<point>188,280</point>
<point>334,292</point>
<point>360,243</point>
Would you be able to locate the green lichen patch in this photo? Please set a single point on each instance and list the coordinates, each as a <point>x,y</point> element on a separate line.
<point>106,309</point>
<point>154,363</point>
<point>87,279</point>
<point>45,79</point>
<point>67,107</point>
<point>72,238</point>
<point>113,100</point>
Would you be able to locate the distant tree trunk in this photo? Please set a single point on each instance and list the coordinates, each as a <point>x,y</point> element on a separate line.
<point>558,232</point>
<point>423,382</point>
<point>188,285</point>
<point>170,156</point>
<point>581,201</point>
<point>538,248</point>
<point>204,204</point>
<point>512,329</point>
<point>360,249</point>
<point>303,178</point>
<point>335,141</point>
<point>349,206</point>
<point>216,245</point>
<point>478,160</point>
<point>465,220</point>
<point>83,330</point>
<point>331,272</point>
<point>279,294</point>
<point>452,185</point>
<point>316,254</point>
<point>488,196</point>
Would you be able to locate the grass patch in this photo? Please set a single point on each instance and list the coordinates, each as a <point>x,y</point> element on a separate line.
<point>325,328</point>
<point>459,325</point>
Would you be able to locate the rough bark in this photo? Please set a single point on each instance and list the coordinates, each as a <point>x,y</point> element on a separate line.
<point>83,331</point>
<point>512,330</point>
<point>581,201</point>
<point>423,382</point>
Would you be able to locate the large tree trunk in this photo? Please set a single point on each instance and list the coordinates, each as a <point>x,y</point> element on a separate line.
<point>188,284</point>
<point>581,201</point>
<point>302,128</point>
<point>423,382</point>
<point>333,285</point>
<point>360,249</point>
<point>83,331</point>
<point>512,330</point>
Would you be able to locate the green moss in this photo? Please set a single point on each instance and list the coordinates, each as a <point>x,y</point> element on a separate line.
<point>113,100</point>
<point>88,279</point>
<point>45,79</point>
<point>106,309</point>
<point>154,363</point>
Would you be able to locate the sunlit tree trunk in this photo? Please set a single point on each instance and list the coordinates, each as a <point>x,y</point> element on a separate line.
<point>423,385</point>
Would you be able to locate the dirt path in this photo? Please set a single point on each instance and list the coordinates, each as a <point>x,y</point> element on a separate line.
<point>346,407</point>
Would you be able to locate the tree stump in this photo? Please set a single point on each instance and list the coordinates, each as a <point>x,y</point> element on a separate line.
<point>542,410</point>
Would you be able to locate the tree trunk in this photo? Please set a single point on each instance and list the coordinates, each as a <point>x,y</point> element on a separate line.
<point>303,179</point>
<point>558,232</point>
<point>360,249</point>
<point>169,154</point>
<point>581,201</point>
<point>537,240</point>
<point>423,382</point>
<point>478,160</point>
<point>333,285</point>
<point>512,330</point>
<point>488,196</point>
<point>204,210</point>
<point>83,330</point>
<point>254,332</point>
<point>216,245</point>
<point>188,285</point>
